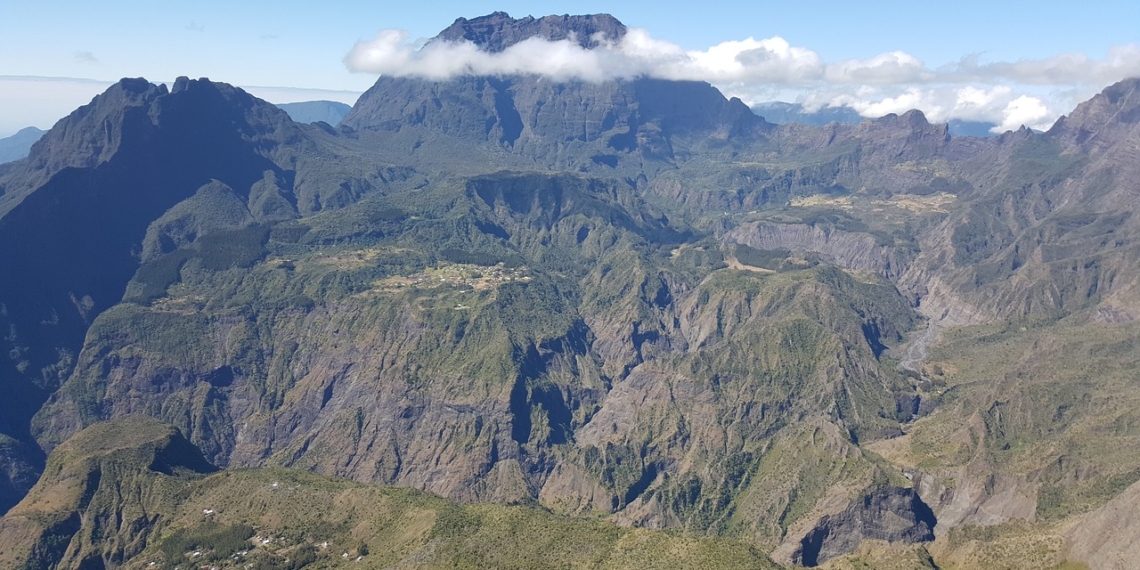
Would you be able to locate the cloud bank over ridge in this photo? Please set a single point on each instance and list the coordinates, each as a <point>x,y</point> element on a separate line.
<point>1010,94</point>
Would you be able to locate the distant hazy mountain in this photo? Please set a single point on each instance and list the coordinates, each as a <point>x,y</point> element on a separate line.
<point>330,112</point>
<point>16,146</point>
<point>781,113</point>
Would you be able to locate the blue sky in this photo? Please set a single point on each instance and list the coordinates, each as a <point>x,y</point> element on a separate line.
<point>299,49</point>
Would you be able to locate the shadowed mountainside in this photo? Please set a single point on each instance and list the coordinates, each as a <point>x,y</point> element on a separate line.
<point>633,299</point>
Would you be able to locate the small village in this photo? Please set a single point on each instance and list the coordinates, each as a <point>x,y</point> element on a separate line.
<point>459,275</point>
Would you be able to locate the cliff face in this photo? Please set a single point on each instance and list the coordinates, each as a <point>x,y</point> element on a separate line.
<point>498,31</point>
<point>632,299</point>
<point>72,213</point>
<point>101,496</point>
<point>132,493</point>
<point>635,125</point>
<point>73,216</point>
<point>887,514</point>
<point>597,388</point>
<point>1104,538</point>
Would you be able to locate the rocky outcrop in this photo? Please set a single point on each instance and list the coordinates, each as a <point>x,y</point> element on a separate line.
<point>890,514</point>
<point>631,125</point>
<point>498,31</point>
<point>89,136</point>
<point>101,496</point>
<point>1104,121</point>
<point>612,364</point>
<point>979,497</point>
<point>849,250</point>
<point>19,469</point>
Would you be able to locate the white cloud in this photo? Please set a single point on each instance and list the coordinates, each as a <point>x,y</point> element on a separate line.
<point>1009,94</point>
<point>873,103</point>
<point>1003,105</point>
<point>1063,69</point>
<point>884,69</point>
<point>771,60</point>
<point>84,56</point>
<point>1028,111</point>
<point>390,53</point>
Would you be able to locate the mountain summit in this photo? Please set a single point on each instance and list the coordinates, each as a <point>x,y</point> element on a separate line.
<point>499,31</point>
<point>643,121</point>
<point>631,299</point>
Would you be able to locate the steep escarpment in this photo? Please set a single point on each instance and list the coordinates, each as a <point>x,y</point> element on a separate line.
<point>498,31</point>
<point>629,125</point>
<point>132,493</point>
<point>887,514</point>
<point>76,214</point>
<point>630,300</point>
<point>1046,230</point>
<point>102,496</point>
<point>634,126</point>
<point>1103,539</point>
<point>103,173</point>
<point>856,251</point>
<point>512,337</point>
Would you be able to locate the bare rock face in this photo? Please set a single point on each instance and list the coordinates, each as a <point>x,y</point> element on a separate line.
<point>848,250</point>
<point>106,173</point>
<point>498,31</point>
<point>892,514</point>
<point>1105,539</point>
<point>621,367</point>
<point>557,123</point>
<point>89,136</point>
<point>1105,120</point>
<point>980,497</point>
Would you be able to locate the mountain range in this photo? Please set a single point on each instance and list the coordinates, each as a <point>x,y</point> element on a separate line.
<point>587,319</point>
<point>17,146</point>
<point>330,112</point>
<point>783,113</point>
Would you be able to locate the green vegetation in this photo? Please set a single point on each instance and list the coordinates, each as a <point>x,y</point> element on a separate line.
<point>205,543</point>
<point>569,321</point>
<point>238,248</point>
<point>277,518</point>
<point>486,293</point>
<point>774,260</point>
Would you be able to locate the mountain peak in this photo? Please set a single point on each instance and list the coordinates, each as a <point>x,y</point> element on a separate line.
<point>912,119</point>
<point>94,132</point>
<point>498,31</point>
<point>1104,120</point>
